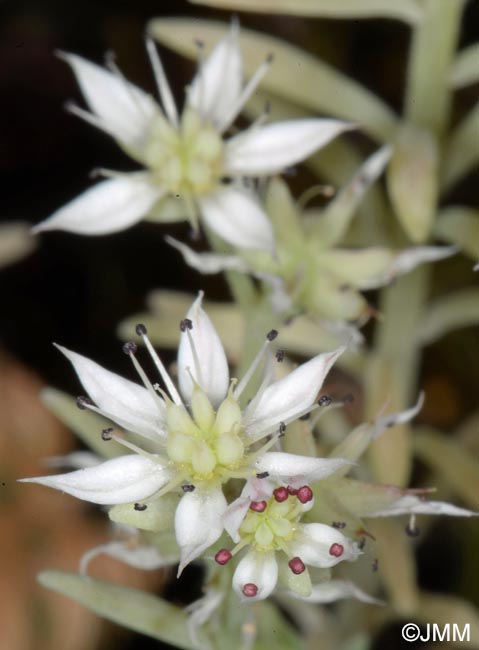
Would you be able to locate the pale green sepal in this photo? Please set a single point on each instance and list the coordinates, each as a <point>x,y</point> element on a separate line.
<point>353,446</point>
<point>459,225</point>
<point>408,11</point>
<point>131,608</point>
<point>273,630</point>
<point>412,179</point>
<point>315,85</point>
<point>365,499</point>
<point>465,69</point>
<point>461,150</point>
<point>454,311</point>
<point>168,210</point>
<point>85,424</point>
<point>356,268</point>
<point>282,211</point>
<point>446,456</point>
<point>158,516</point>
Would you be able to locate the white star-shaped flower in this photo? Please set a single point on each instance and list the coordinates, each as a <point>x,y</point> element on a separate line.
<point>187,158</point>
<point>197,437</point>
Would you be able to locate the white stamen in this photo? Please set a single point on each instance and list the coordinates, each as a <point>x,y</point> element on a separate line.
<point>164,89</point>
<point>196,360</point>
<point>268,373</point>
<point>170,386</point>
<point>148,385</point>
<point>111,65</point>
<point>133,447</point>
<point>246,93</point>
<point>88,117</point>
<point>251,370</point>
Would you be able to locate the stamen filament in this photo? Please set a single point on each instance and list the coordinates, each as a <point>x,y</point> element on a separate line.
<point>251,370</point>
<point>130,89</point>
<point>133,447</point>
<point>162,83</point>
<point>170,386</point>
<point>158,401</point>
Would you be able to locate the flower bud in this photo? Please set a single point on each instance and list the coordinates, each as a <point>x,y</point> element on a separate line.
<point>203,412</point>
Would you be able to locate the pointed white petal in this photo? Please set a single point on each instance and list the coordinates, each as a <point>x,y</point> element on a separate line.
<point>127,403</point>
<point>198,522</point>
<point>291,395</point>
<point>270,149</point>
<point>109,206</point>
<point>408,259</point>
<point>293,469</point>
<point>148,558</point>
<point>384,422</point>
<point>124,110</point>
<point>257,568</point>
<point>120,480</point>
<point>255,489</point>
<point>206,360</point>
<point>314,541</point>
<point>328,592</point>
<point>208,263</point>
<point>410,504</point>
<point>236,216</point>
<point>216,89</point>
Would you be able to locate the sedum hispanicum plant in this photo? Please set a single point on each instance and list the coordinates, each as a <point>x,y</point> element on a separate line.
<point>261,476</point>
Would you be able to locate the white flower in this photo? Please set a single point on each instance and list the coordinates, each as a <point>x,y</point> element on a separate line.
<point>186,157</point>
<point>279,546</point>
<point>198,437</point>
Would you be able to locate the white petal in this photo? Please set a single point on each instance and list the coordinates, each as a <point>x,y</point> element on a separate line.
<point>291,395</point>
<point>236,216</point>
<point>148,558</point>
<point>313,542</point>
<point>408,259</point>
<point>293,469</point>
<point>125,111</point>
<point>260,569</point>
<point>120,480</point>
<point>255,489</point>
<point>328,592</point>
<point>216,88</point>
<point>269,149</point>
<point>109,206</point>
<point>198,522</point>
<point>127,403</point>
<point>206,361</point>
<point>384,422</point>
<point>208,263</point>
<point>410,504</point>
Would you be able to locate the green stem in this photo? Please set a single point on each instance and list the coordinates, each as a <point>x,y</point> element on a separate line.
<point>395,360</point>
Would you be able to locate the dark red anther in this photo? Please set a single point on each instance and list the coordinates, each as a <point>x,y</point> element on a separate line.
<point>258,506</point>
<point>250,590</point>
<point>293,491</point>
<point>336,550</point>
<point>296,565</point>
<point>281,494</point>
<point>305,494</point>
<point>223,556</point>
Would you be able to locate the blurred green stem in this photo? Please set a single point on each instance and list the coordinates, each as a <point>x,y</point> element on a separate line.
<point>396,356</point>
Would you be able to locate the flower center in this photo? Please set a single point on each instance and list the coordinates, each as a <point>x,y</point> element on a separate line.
<point>270,525</point>
<point>187,160</point>
<point>205,444</point>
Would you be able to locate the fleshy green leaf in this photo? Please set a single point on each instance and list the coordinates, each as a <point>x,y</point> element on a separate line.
<point>465,69</point>
<point>274,631</point>
<point>459,225</point>
<point>461,152</point>
<point>85,424</point>
<point>131,608</point>
<point>313,84</point>
<point>459,468</point>
<point>406,10</point>
<point>412,179</point>
<point>454,311</point>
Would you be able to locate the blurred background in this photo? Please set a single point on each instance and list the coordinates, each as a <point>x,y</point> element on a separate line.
<point>75,290</point>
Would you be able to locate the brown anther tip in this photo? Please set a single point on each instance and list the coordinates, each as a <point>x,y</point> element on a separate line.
<point>141,330</point>
<point>188,488</point>
<point>140,507</point>
<point>106,434</point>
<point>339,524</point>
<point>325,400</point>
<point>412,531</point>
<point>130,348</point>
<point>305,417</point>
<point>262,475</point>
<point>375,564</point>
<point>82,402</point>
<point>271,335</point>
<point>280,356</point>
<point>186,324</point>
<point>282,428</point>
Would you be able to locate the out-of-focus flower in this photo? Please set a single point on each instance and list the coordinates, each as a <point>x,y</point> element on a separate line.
<point>192,170</point>
<point>196,438</point>
<point>312,271</point>
<point>16,242</point>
